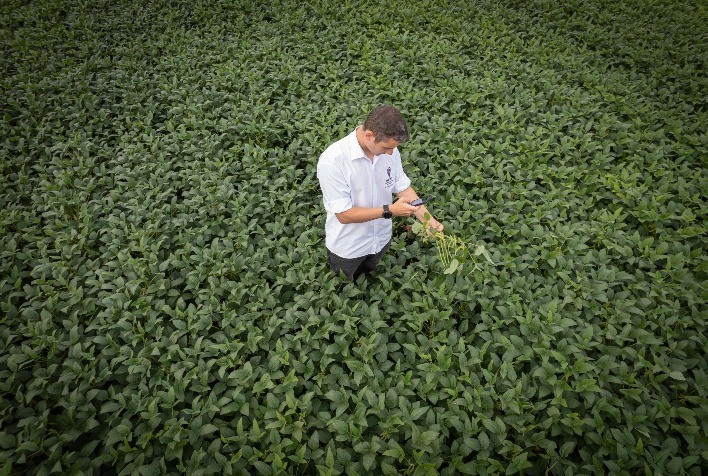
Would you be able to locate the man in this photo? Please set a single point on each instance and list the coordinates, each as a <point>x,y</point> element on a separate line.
<point>358,175</point>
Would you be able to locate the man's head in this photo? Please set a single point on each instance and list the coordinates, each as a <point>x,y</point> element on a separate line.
<point>386,122</point>
<point>384,129</point>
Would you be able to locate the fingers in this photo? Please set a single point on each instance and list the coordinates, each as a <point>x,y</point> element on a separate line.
<point>408,208</point>
<point>403,208</point>
<point>412,209</point>
<point>436,226</point>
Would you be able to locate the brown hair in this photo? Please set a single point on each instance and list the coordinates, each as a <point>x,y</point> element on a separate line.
<point>386,122</point>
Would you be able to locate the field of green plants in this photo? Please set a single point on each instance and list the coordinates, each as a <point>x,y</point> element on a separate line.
<point>165,302</point>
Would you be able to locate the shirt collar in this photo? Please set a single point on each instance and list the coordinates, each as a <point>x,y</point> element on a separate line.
<point>355,150</point>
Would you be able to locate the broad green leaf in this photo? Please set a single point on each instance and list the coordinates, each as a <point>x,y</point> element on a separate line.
<point>676,375</point>
<point>207,429</point>
<point>454,264</point>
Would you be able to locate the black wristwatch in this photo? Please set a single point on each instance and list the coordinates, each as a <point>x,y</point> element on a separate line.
<point>387,213</point>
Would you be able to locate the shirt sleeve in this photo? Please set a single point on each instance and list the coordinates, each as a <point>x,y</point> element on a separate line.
<point>402,180</point>
<point>336,195</point>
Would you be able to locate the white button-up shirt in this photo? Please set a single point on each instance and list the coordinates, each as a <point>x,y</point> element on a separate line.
<point>349,179</point>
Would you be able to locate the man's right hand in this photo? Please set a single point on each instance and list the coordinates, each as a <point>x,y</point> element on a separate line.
<point>403,208</point>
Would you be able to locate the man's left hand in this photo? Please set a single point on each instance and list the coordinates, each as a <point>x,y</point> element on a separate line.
<point>434,226</point>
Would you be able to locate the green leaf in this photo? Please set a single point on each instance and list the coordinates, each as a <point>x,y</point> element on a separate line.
<point>483,441</point>
<point>329,459</point>
<point>264,383</point>
<point>207,429</point>
<point>566,448</point>
<point>314,441</point>
<point>518,464</point>
<point>481,250</point>
<point>676,375</point>
<point>454,264</point>
<point>395,452</point>
<point>491,425</point>
<point>388,470</point>
<point>427,437</point>
<point>369,461</point>
<point>588,385</point>
<point>263,468</point>
<point>7,440</point>
<point>117,434</point>
<point>418,412</point>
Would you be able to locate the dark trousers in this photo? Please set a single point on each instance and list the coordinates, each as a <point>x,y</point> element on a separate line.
<point>355,267</point>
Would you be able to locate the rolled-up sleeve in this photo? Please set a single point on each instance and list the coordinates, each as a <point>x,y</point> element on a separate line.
<point>402,180</point>
<point>336,195</point>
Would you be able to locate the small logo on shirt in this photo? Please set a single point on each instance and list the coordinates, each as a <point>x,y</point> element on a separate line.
<point>388,171</point>
<point>389,180</point>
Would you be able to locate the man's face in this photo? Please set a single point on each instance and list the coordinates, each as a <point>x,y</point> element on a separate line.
<point>382,147</point>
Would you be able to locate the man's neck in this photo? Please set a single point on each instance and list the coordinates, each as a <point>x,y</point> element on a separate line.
<point>359,138</point>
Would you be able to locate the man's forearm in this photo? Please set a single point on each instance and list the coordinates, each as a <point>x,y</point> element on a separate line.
<point>359,215</point>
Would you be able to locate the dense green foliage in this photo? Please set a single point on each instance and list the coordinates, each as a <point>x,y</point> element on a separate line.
<point>165,301</point>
